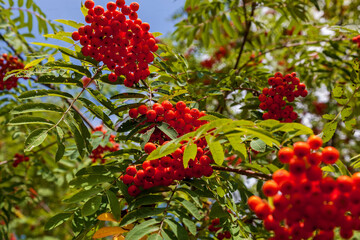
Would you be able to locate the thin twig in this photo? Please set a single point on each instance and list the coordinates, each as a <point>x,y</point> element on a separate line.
<point>167,207</point>
<point>245,172</point>
<point>288,46</point>
<point>247,31</point>
<point>11,47</point>
<point>345,105</point>
<point>75,99</point>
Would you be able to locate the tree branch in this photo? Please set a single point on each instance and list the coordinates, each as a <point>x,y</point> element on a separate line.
<point>245,172</point>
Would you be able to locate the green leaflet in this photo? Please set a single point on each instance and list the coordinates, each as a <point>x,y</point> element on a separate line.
<point>24,120</point>
<point>35,138</point>
<point>44,93</point>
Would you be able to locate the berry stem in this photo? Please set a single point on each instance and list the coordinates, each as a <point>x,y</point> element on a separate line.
<point>245,172</point>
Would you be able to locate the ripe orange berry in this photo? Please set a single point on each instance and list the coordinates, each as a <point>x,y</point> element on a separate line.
<point>301,149</point>
<point>285,154</point>
<point>253,201</point>
<point>262,210</point>
<point>330,155</point>
<point>270,188</point>
<point>280,176</point>
<point>315,142</point>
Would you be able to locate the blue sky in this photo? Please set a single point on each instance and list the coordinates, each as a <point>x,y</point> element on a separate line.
<point>156,12</point>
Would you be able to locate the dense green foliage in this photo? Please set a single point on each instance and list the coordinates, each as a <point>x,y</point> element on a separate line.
<point>218,60</point>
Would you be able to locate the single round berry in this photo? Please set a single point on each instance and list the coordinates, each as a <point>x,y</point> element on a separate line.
<point>134,6</point>
<point>151,115</point>
<point>301,149</point>
<point>89,4</point>
<point>99,10</point>
<point>149,147</point>
<point>315,142</point>
<point>142,109</point>
<point>133,113</point>
<point>131,170</point>
<point>75,36</point>
<point>270,188</point>
<point>285,154</point>
<point>330,155</point>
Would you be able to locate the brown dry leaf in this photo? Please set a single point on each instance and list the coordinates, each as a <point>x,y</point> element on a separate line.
<point>119,237</point>
<point>107,217</point>
<point>108,231</point>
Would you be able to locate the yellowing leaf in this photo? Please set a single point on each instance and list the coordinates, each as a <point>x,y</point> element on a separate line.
<point>107,217</point>
<point>108,231</point>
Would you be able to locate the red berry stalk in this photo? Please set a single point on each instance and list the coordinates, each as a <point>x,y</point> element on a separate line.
<point>98,153</point>
<point>7,64</point>
<point>164,171</point>
<point>306,204</point>
<point>117,37</point>
<point>284,90</point>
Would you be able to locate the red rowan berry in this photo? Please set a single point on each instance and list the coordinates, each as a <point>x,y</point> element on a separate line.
<point>315,158</point>
<point>75,36</point>
<point>254,201</point>
<point>280,176</point>
<point>270,188</point>
<point>111,6</point>
<point>330,155</point>
<point>301,149</point>
<point>134,6</point>
<point>131,170</point>
<point>133,113</point>
<point>99,10</point>
<point>149,147</point>
<point>314,142</point>
<point>285,154</point>
<point>262,210</point>
<point>89,4</point>
<point>112,77</point>
<point>344,183</point>
<point>127,179</point>
<point>142,109</point>
<point>133,191</point>
<point>145,27</point>
<point>297,166</point>
<point>151,115</point>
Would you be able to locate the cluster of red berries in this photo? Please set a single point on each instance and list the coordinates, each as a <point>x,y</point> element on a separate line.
<point>219,54</point>
<point>272,99</point>
<point>179,117</point>
<point>212,228</point>
<point>304,203</point>
<point>233,160</point>
<point>124,45</point>
<point>7,64</point>
<point>356,40</point>
<point>19,158</point>
<point>164,171</point>
<point>98,153</point>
